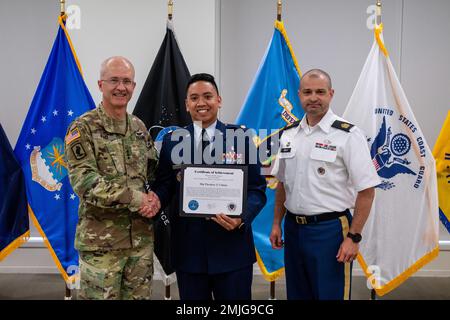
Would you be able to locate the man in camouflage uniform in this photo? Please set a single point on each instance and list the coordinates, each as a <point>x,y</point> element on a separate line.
<point>110,157</point>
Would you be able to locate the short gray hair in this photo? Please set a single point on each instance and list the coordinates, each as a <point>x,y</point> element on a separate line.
<point>316,73</point>
<point>105,63</point>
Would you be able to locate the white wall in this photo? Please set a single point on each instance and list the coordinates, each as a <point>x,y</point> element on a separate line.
<point>136,31</point>
<point>227,38</point>
<point>332,35</point>
<point>27,32</point>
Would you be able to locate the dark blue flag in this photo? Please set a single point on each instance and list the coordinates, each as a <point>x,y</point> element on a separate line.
<point>14,227</point>
<point>60,97</point>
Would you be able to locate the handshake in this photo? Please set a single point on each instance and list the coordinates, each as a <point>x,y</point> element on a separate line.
<point>150,205</point>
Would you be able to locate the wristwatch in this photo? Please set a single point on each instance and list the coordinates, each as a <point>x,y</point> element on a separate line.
<point>356,237</point>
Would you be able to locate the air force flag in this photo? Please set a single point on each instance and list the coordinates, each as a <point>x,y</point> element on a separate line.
<point>402,232</point>
<point>60,97</point>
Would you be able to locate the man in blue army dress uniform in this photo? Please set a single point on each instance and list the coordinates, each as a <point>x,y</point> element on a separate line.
<point>325,169</point>
<point>213,258</point>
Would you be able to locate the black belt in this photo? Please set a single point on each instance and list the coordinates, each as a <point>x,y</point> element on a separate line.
<point>302,219</point>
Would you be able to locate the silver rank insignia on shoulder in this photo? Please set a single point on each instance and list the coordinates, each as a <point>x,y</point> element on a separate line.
<point>139,134</point>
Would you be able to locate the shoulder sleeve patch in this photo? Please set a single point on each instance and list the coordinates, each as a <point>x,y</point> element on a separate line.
<point>342,125</point>
<point>78,151</point>
<point>72,135</point>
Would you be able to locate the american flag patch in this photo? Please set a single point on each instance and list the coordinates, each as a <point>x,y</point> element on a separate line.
<point>73,135</point>
<point>376,164</point>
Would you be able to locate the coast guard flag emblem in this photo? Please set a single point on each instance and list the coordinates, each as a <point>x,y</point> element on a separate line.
<point>402,232</point>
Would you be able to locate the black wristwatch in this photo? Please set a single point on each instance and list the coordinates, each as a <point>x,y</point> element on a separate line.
<point>356,237</point>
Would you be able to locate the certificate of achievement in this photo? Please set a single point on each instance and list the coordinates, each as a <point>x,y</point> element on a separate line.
<point>210,190</point>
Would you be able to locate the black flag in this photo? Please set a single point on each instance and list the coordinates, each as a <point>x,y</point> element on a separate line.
<point>161,105</point>
<point>14,225</point>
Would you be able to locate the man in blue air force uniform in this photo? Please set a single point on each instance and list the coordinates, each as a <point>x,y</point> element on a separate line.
<point>213,257</point>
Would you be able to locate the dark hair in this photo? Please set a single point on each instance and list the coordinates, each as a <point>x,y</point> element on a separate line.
<point>202,77</point>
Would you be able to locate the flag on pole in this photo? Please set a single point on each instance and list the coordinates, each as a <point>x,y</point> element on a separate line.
<point>61,96</point>
<point>161,102</point>
<point>402,232</point>
<point>441,153</point>
<point>161,107</point>
<point>271,104</point>
<point>14,227</point>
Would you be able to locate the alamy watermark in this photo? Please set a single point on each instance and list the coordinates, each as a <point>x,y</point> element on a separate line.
<point>73,21</point>
<point>375,280</point>
<point>236,146</point>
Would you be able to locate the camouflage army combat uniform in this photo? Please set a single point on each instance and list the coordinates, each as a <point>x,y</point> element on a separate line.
<point>109,162</point>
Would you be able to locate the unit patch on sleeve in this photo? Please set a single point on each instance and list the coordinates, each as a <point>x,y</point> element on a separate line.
<point>78,151</point>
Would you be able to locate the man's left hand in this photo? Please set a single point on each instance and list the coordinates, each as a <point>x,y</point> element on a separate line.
<point>226,222</point>
<point>347,251</point>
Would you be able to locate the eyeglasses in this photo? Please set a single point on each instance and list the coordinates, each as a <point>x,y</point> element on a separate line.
<point>115,82</point>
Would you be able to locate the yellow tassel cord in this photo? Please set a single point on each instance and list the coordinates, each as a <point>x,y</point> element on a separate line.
<point>279,25</point>
<point>61,20</point>
<point>378,32</point>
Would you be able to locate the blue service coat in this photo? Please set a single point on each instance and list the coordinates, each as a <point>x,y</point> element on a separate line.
<point>199,245</point>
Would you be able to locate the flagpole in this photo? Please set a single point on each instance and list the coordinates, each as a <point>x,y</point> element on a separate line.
<point>167,295</point>
<point>63,7</point>
<point>379,21</point>
<point>170,9</point>
<point>373,293</point>
<point>279,12</point>
<point>279,9</point>
<point>68,293</point>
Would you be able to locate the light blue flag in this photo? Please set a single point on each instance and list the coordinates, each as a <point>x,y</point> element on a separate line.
<point>271,104</point>
<point>60,97</point>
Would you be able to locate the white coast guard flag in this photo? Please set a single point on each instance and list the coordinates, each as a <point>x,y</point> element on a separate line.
<point>401,234</point>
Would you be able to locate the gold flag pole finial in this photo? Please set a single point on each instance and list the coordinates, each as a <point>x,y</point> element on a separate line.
<point>379,12</point>
<point>170,8</point>
<point>279,9</point>
<point>63,7</point>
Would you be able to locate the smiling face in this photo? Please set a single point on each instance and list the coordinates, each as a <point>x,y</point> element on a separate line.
<point>203,102</point>
<point>115,84</point>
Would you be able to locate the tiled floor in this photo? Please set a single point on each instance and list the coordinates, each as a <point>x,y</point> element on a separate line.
<point>51,287</point>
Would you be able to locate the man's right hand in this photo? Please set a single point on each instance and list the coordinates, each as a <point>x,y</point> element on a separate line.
<point>150,205</point>
<point>276,237</point>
